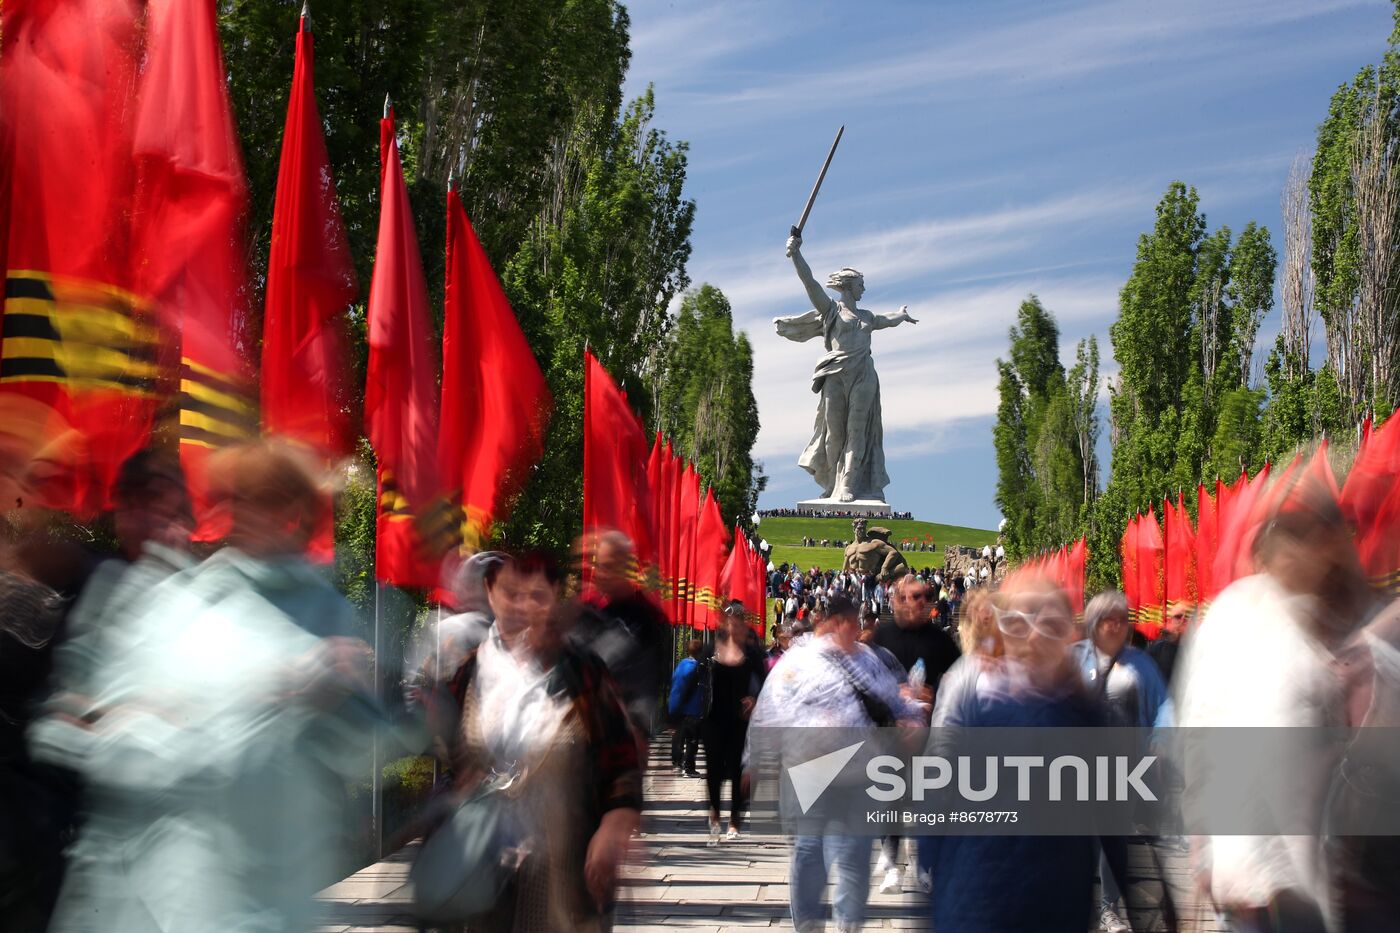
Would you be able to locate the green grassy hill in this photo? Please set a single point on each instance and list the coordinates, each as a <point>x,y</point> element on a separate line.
<point>785,534</point>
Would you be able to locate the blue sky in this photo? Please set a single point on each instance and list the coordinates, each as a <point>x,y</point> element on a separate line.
<point>992,150</point>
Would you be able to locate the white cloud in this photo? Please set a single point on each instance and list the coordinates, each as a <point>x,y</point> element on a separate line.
<point>760,286</point>
<point>1071,42</point>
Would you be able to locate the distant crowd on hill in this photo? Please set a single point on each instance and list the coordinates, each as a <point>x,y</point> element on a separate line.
<point>829,513</point>
<point>907,544</point>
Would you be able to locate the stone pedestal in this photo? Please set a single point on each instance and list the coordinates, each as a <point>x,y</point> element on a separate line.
<point>872,507</point>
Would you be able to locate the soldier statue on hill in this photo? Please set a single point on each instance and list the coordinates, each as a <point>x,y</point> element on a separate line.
<point>872,553</point>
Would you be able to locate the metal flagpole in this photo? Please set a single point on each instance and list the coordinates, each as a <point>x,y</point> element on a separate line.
<point>376,778</point>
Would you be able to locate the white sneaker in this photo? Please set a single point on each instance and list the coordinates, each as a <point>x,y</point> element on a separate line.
<point>891,883</point>
<point>1110,922</point>
<point>714,833</point>
<point>923,882</point>
<point>731,835</point>
<point>883,864</point>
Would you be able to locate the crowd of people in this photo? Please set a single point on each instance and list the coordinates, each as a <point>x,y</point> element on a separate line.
<point>797,594</point>
<point>831,513</point>
<point>1305,641</point>
<point>179,728</point>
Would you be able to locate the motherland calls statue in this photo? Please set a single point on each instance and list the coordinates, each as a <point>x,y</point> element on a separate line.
<point>871,552</point>
<point>846,455</point>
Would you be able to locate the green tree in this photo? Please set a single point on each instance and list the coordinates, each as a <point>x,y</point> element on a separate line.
<point>1253,266</point>
<point>706,403</point>
<point>1044,434</point>
<point>578,200</point>
<point>602,278</point>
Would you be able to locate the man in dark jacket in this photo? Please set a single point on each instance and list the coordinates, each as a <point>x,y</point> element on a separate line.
<point>627,630</point>
<point>912,637</point>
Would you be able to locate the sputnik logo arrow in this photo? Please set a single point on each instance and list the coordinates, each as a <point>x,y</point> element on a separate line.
<point>811,778</point>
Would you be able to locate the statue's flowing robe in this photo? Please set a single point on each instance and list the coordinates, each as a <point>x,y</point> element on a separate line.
<point>846,453</point>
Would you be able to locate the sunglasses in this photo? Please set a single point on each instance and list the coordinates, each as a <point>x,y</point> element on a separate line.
<point>1049,623</point>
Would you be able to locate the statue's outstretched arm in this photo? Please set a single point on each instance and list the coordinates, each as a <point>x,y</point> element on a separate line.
<point>820,299</point>
<point>901,316</point>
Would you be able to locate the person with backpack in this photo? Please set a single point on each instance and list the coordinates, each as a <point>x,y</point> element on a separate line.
<point>686,706</point>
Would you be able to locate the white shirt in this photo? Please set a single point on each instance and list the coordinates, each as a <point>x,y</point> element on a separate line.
<point>518,716</point>
<point>1252,663</point>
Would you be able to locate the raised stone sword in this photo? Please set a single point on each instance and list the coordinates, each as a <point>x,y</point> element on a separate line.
<point>812,198</point>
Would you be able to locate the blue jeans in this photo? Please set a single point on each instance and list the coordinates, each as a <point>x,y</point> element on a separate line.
<point>812,860</point>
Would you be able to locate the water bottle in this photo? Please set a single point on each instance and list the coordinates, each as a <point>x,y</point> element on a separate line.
<point>918,675</point>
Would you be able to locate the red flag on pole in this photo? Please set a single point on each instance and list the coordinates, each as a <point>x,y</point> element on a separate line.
<point>1128,558</point>
<point>1237,514</point>
<point>310,283</point>
<point>188,222</point>
<point>495,401</point>
<point>711,542</point>
<point>1371,500</point>
<point>656,483</point>
<point>688,504</point>
<point>401,412</point>
<point>80,365</point>
<point>1151,585</point>
<point>670,549</point>
<point>1076,557</point>
<point>1181,582</point>
<point>616,494</point>
<point>1207,541</point>
<point>734,576</point>
<point>760,566</point>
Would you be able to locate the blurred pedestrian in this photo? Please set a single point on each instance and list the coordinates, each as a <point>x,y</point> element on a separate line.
<point>1035,685</point>
<point>686,705</point>
<point>537,708</point>
<point>734,674</point>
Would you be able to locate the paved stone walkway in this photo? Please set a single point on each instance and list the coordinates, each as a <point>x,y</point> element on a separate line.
<point>675,880</point>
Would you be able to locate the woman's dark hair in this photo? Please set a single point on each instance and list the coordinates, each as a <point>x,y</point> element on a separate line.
<point>841,607</point>
<point>145,474</point>
<point>528,563</point>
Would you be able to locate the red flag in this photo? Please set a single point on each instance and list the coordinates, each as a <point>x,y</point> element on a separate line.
<point>1237,517</point>
<point>656,483</point>
<point>495,401</point>
<point>1151,586</point>
<point>1318,479</point>
<point>1371,500</point>
<point>616,494</point>
<point>188,231</point>
<point>310,283</point>
<point>1074,576</point>
<point>688,505</point>
<point>711,542</point>
<point>734,576</point>
<point>401,412</point>
<point>1180,558</point>
<point>1207,541</point>
<point>760,567</point>
<point>79,368</point>
<point>670,549</point>
<point>1128,557</point>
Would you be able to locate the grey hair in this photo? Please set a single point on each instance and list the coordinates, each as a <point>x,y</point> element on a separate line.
<point>841,278</point>
<point>1105,604</point>
<point>616,539</point>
